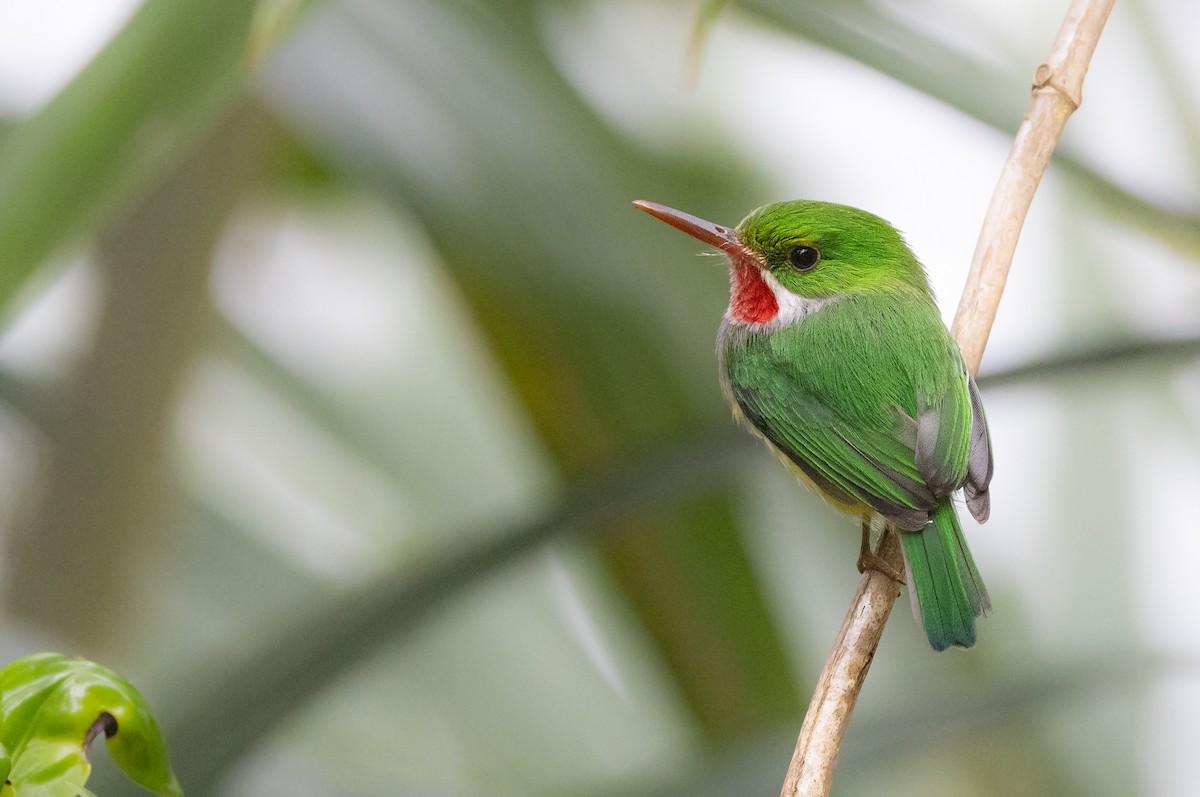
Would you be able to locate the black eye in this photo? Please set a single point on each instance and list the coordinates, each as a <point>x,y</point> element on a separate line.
<point>803,258</point>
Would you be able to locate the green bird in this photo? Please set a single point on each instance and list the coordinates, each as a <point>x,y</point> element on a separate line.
<point>832,350</point>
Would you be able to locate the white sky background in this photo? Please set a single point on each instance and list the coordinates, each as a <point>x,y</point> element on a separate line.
<point>887,152</point>
<point>43,43</point>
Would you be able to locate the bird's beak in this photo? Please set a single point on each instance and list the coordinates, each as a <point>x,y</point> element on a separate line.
<point>724,238</point>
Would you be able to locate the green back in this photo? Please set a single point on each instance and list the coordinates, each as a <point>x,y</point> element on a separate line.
<point>868,394</point>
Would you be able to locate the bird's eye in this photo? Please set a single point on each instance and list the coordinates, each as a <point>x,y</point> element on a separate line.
<point>803,258</point>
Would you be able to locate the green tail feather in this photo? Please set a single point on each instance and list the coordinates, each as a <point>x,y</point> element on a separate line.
<point>948,592</point>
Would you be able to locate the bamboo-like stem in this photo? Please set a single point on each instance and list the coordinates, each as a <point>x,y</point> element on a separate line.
<point>1057,93</point>
<point>811,769</point>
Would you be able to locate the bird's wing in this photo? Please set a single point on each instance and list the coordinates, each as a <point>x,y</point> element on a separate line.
<point>944,419</point>
<point>896,425</point>
<point>876,468</point>
<point>979,462</point>
<point>953,448</point>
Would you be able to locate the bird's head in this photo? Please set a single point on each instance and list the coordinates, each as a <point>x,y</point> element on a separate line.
<point>790,257</point>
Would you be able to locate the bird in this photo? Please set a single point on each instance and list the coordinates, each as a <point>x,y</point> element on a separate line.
<point>832,350</point>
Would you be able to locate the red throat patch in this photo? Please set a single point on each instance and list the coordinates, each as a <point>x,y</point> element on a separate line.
<point>751,300</point>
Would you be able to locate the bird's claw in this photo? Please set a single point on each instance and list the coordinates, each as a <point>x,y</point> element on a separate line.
<point>869,560</point>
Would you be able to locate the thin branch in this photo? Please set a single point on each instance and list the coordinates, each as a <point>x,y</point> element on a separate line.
<point>1073,364</point>
<point>1057,92</point>
<point>811,769</point>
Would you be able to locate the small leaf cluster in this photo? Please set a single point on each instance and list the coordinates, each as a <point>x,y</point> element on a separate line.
<point>52,707</point>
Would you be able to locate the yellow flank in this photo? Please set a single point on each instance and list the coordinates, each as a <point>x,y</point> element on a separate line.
<point>856,508</point>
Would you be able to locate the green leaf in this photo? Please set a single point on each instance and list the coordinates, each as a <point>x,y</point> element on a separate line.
<point>51,709</point>
<point>165,80</point>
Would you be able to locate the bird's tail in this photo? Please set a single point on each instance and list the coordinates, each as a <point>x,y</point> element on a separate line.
<point>944,584</point>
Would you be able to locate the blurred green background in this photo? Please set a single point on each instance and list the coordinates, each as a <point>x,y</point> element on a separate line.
<point>350,409</point>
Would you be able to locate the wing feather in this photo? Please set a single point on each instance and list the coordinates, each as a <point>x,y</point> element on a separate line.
<point>875,469</point>
<point>979,463</point>
<point>944,436</point>
<point>810,389</point>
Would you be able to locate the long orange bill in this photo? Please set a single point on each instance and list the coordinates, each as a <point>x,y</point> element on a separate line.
<point>721,237</point>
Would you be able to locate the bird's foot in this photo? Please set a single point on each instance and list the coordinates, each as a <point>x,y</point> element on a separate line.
<point>869,560</point>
